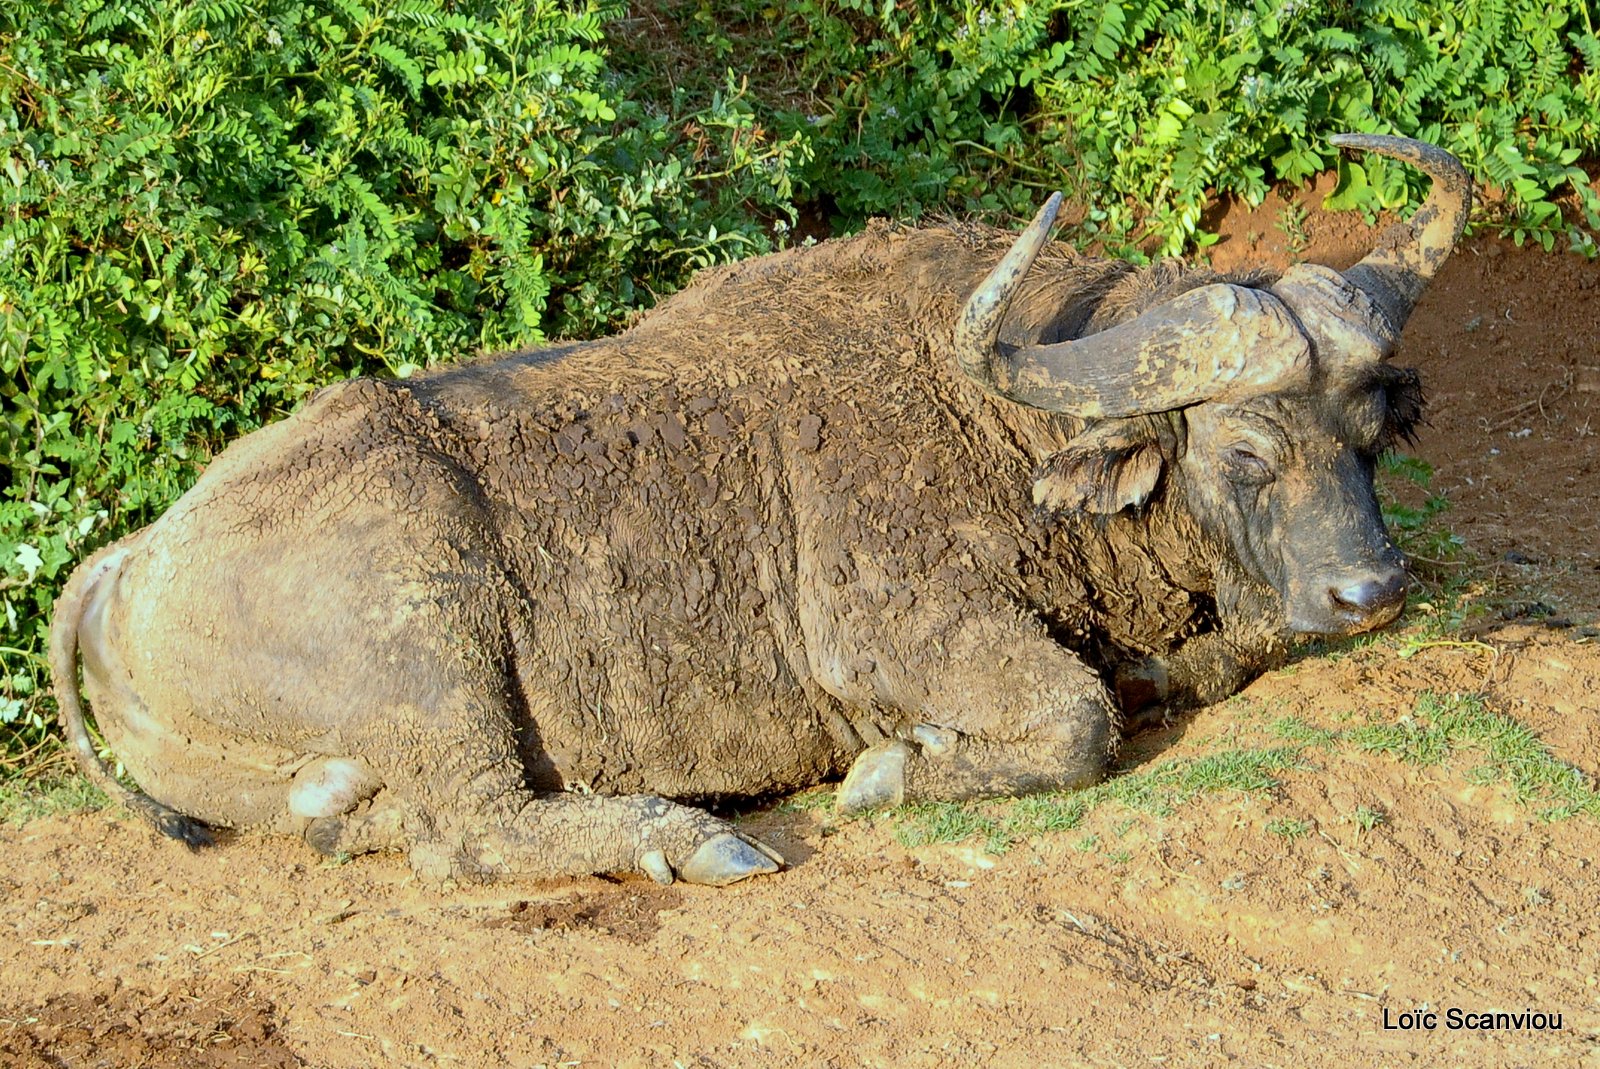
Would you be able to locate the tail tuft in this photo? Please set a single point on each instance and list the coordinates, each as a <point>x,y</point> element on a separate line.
<point>171,823</point>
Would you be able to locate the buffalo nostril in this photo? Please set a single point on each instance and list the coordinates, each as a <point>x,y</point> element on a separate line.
<point>1372,595</point>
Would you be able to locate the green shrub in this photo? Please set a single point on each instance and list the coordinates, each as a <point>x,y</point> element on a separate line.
<point>1146,110</point>
<point>209,210</point>
<point>1172,103</point>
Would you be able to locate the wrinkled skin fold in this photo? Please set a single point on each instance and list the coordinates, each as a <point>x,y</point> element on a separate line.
<point>859,509</point>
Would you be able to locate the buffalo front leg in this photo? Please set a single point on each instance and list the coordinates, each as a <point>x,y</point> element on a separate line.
<point>1008,712</point>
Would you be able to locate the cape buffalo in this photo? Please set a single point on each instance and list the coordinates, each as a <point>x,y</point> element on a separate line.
<point>877,506</point>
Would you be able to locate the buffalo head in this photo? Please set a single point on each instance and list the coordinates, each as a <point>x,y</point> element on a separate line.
<point>1264,406</point>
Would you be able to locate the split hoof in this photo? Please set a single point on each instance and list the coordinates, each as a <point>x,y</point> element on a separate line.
<point>325,835</point>
<point>878,777</point>
<point>655,866</point>
<point>935,741</point>
<point>727,858</point>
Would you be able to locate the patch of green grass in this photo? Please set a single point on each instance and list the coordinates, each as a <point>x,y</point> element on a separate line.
<point>41,781</point>
<point>1368,817</point>
<point>927,823</point>
<point>1442,725</point>
<point>1406,740</point>
<point>25,798</point>
<point>1290,828</point>
<point>1293,729</point>
<point>1438,728</point>
<point>1156,791</point>
<point>808,801</point>
<point>941,822</point>
<point>1050,812</point>
<point>1234,770</point>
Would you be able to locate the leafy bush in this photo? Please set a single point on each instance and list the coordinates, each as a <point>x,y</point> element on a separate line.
<point>1145,110</point>
<point>209,210</point>
<point>1236,100</point>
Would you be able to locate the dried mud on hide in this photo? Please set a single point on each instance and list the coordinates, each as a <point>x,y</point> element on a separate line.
<point>1386,864</point>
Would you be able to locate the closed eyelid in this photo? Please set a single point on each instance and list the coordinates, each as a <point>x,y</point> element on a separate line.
<point>1261,435</point>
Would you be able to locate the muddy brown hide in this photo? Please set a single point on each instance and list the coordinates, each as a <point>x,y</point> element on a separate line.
<point>746,563</point>
<point>716,555</point>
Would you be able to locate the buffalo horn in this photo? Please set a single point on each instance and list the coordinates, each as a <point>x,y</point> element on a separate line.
<point>977,336</point>
<point>1214,342</point>
<point>1409,254</point>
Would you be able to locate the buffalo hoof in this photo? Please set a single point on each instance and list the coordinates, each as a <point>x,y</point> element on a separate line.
<point>878,777</point>
<point>655,866</point>
<point>324,835</point>
<point>935,741</point>
<point>720,860</point>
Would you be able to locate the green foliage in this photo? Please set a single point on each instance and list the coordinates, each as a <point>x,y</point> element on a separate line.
<point>1146,110</point>
<point>25,798</point>
<point>1234,96</point>
<point>1290,828</point>
<point>1368,817</point>
<point>209,210</point>
<point>1416,526</point>
<point>1157,790</point>
<point>1510,753</point>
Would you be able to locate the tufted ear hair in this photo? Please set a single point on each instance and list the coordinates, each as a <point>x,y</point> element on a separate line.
<point>1402,391</point>
<point>1110,466</point>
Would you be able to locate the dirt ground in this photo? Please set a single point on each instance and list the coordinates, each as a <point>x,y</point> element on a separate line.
<point>1268,927</point>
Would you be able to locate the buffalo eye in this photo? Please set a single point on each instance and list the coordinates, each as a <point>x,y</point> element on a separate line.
<point>1241,464</point>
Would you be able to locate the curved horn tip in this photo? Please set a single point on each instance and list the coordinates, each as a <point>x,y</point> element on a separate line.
<point>1044,220</point>
<point>1427,157</point>
<point>1377,142</point>
<point>978,326</point>
<point>1395,273</point>
<point>1052,207</point>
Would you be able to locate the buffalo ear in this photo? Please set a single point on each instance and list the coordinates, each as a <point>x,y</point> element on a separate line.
<point>1404,401</point>
<point>1104,470</point>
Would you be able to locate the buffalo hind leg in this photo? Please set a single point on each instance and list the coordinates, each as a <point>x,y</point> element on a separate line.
<point>1012,714</point>
<point>442,777</point>
<point>556,834</point>
<point>561,834</point>
<point>471,815</point>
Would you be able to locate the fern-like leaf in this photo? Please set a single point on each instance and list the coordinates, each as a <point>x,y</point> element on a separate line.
<point>398,60</point>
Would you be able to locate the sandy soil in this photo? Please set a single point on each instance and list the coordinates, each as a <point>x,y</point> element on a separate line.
<point>1267,927</point>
